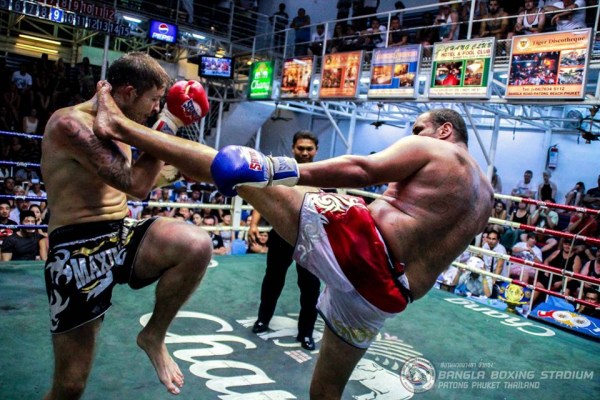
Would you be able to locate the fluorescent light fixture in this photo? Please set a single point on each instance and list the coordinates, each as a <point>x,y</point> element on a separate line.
<point>503,75</point>
<point>195,35</point>
<point>132,19</point>
<point>36,48</point>
<point>38,39</point>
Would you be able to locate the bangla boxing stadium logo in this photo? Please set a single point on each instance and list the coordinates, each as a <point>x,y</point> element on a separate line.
<point>417,375</point>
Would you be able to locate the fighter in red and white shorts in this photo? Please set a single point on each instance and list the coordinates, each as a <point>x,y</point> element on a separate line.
<point>339,242</point>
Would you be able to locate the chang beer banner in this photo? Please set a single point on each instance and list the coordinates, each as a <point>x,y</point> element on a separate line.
<point>461,69</point>
<point>260,83</point>
<point>395,72</point>
<point>549,65</point>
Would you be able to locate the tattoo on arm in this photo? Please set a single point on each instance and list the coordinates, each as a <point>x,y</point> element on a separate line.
<point>104,156</point>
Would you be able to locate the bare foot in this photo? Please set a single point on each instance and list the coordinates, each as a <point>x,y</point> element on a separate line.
<point>167,370</point>
<point>106,124</point>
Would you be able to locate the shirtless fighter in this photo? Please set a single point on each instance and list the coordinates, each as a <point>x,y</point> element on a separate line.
<point>373,259</point>
<point>94,246</point>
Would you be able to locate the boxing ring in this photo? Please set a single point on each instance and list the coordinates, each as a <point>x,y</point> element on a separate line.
<point>445,346</point>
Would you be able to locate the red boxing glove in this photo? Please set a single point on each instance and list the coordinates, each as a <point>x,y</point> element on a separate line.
<point>187,103</point>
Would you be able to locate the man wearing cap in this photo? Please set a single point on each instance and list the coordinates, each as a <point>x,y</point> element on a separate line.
<point>472,282</point>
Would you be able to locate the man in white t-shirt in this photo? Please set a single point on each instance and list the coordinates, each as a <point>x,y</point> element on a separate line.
<point>493,264</point>
<point>22,79</point>
<point>573,16</point>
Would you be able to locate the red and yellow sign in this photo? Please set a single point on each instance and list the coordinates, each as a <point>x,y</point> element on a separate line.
<point>340,75</point>
<point>549,65</point>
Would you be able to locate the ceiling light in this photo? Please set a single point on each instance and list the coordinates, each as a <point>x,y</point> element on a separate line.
<point>198,36</point>
<point>132,19</point>
<point>36,48</point>
<point>54,42</point>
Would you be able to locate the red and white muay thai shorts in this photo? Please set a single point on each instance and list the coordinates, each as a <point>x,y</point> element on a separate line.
<point>339,243</point>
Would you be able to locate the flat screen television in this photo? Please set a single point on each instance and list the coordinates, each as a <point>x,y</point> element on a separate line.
<point>215,67</point>
<point>162,31</point>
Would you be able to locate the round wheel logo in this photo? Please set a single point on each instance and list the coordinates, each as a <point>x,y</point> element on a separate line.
<point>417,375</point>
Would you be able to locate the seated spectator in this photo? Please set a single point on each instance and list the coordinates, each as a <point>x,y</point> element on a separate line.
<point>512,235</point>
<point>448,23</point>
<point>197,218</point>
<point>528,251</point>
<point>583,224</point>
<point>592,197</point>
<point>498,212</point>
<point>574,197</point>
<point>495,22</point>
<point>217,241</point>
<point>317,40</point>
<point>547,244</point>
<point>30,122</point>
<point>547,189</point>
<point>567,15</point>
<point>591,296</point>
<point>564,259</point>
<point>544,217</point>
<point>374,36</point>
<point>592,268</point>
<point>476,284</point>
<point>397,36</point>
<point>336,43</point>
<point>35,190</point>
<point>227,233</point>
<point>531,20</point>
<point>25,244</point>
<point>494,264</point>
<point>260,246</point>
<point>428,34</point>
<point>524,188</point>
<point>39,219</point>
<point>20,203</point>
<point>5,208</point>
<point>352,40</point>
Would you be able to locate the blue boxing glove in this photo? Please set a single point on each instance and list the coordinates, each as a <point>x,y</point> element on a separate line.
<point>235,166</point>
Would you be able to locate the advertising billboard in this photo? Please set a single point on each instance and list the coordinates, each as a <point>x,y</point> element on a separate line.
<point>395,72</point>
<point>549,65</point>
<point>462,69</point>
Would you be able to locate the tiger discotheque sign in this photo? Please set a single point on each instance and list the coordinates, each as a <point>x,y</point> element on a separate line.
<point>549,65</point>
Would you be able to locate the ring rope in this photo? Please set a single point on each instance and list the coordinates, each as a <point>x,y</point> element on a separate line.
<point>19,164</point>
<point>28,198</point>
<point>27,135</point>
<point>19,226</point>
<point>552,232</point>
<point>525,285</point>
<point>544,267</point>
<point>547,204</point>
